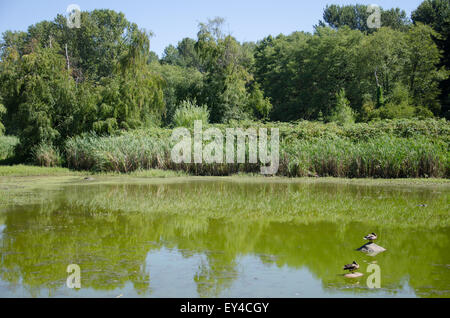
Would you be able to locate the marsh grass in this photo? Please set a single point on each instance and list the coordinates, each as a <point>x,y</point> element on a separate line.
<point>387,149</point>
<point>188,112</point>
<point>46,155</point>
<point>125,153</point>
<point>381,157</point>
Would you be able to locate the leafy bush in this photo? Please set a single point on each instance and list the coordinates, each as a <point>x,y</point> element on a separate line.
<point>342,114</point>
<point>188,112</point>
<point>7,145</point>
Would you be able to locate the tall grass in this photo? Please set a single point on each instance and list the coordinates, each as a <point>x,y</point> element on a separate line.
<point>381,157</point>
<point>47,156</point>
<point>188,112</point>
<point>125,153</point>
<point>387,149</point>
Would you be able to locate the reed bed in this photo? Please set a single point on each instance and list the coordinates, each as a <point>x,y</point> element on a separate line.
<point>124,153</point>
<point>387,149</point>
<point>381,157</point>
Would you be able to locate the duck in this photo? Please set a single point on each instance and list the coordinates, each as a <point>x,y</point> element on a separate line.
<point>371,237</point>
<point>351,267</point>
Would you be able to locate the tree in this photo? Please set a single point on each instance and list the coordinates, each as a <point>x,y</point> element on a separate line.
<point>436,13</point>
<point>39,97</point>
<point>301,73</point>
<point>382,60</point>
<point>342,113</point>
<point>356,16</point>
<point>227,83</point>
<point>179,84</point>
<point>52,93</point>
<point>2,112</point>
<point>422,69</point>
<point>183,55</point>
<point>278,70</point>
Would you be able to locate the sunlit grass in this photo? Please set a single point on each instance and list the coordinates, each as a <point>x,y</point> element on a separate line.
<point>24,170</point>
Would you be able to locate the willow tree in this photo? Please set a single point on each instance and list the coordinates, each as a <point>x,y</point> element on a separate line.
<point>53,87</point>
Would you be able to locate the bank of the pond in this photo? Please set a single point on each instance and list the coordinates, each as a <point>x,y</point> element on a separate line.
<point>33,171</point>
<point>403,148</point>
<point>21,172</point>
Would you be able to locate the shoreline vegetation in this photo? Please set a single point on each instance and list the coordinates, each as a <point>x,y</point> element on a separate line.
<point>20,172</point>
<point>382,149</point>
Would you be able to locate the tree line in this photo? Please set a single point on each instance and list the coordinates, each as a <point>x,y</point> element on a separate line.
<point>57,82</point>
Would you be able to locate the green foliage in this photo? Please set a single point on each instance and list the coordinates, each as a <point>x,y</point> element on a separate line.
<point>125,153</point>
<point>422,68</point>
<point>39,96</point>
<point>259,106</point>
<point>2,112</point>
<point>302,73</point>
<point>400,105</point>
<point>397,106</point>
<point>356,16</point>
<point>279,70</point>
<point>342,114</point>
<point>101,83</point>
<point>380,96</point>
<point>227,83</point>
<point>436,13</point>
<point>382,157</point>
<point>57,82</point>
<point>184,55</point>
<point>7,145</point>
<point>188,112</point>
<point>45,155</point>
<point>388,149</point>
<point>179,84</point>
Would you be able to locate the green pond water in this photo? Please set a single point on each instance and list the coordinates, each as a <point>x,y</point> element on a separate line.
<point>222,238</point>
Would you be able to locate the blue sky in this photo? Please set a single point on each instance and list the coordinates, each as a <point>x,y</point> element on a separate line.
<point>171,20</point>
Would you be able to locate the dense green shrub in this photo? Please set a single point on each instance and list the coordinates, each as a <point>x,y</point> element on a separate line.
<point>188,112</point>
<point>46,155</point>
<point>7,145</point>
<point>342,113</point>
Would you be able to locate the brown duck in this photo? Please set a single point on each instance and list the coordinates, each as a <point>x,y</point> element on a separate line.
<point>351,267</point>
